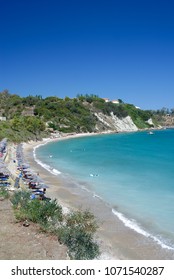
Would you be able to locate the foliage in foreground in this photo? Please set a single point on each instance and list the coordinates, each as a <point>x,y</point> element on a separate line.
<point>4,193</point>
<point>77,234</point>
<point>76,230</point>
<point>80,243</point>
<point>37,211</point>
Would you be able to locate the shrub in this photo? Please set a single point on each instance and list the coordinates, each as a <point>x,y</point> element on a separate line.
<point>44,211</point>
<point>20,199</point>
<point>76,230</point>
<point>4,193</point>
<point>77,233</point>
<point>36,210</point>
<point>83,219</point>
<point>80,243</point>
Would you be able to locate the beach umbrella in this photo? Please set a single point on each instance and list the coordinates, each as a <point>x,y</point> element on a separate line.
<point>4,170</point>
<point>43,186</point>
<point>39,193</point>
<point>29,176</point>
<point>25,165</point>
<point>36,180</point>
<point>28,172</point>
<point>37,188</point>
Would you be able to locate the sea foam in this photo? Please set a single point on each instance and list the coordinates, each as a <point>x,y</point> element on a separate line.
<point>145,190</point>
<point>132,224</point>
<point>44,165</point>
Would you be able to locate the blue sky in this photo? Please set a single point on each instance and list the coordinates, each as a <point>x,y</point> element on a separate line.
<point>116,49</point>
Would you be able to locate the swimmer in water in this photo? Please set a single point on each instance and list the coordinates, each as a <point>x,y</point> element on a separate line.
<point>94,175</point>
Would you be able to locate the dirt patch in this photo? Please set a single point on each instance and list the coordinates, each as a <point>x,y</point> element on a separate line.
<point>18,242</point>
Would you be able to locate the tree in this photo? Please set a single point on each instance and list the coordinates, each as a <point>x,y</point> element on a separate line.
<point>17,123</point>
<point>120,101</point>
<point>34,124</point>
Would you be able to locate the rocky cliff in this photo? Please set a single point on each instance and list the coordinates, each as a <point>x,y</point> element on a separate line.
<point>167,120</point>
<point>113,123</point>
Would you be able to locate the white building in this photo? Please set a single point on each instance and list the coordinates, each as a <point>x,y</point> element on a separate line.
<point>106,99</point>
<point>115,101</point>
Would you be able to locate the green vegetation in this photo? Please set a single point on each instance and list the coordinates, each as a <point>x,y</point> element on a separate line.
<point>77,233</point>
<point>138,116</point>
<point>68,115</point>
<point>21,129</point>
<point>33,117</point>
<point>35,210</point>
<point>4,194</point>
<point>107,107</point>
<point>76,230</point>
<point>20,199</point>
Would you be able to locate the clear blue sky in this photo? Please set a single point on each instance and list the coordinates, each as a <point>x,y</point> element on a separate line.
<point>116,49</point>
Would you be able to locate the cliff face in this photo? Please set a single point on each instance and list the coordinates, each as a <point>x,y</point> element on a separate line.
<point>167,120</point>
<point>113,123</point>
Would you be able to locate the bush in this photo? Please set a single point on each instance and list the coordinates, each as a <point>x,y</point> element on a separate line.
<point>76,230</point>
<point>108,107</point>
<point>80,243</point>
<point>20,199</point>
<point>44,211</point>
<point>77,233</point>
<point>4,193</point>
<point>83,219</point>
<point>37,211</point>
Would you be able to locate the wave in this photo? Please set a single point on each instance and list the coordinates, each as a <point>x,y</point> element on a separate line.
<point>134,226</point>
<point>97,196</point>
<point>130,223</point>
<point>44,165</point>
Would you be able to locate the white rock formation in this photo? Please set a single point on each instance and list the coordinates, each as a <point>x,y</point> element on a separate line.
<point>114,123</point>
<point>124,124</point>
<point>150,121</point>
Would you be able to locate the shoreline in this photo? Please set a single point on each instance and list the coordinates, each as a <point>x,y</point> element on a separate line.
<point>57,189</point>
<point>116,240</point>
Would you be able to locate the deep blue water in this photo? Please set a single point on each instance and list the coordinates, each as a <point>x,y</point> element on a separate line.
<point>133,172</point>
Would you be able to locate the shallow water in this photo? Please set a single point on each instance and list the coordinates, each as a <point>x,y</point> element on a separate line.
<point>133,173</point>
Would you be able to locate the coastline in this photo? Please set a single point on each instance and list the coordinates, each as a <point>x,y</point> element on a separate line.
<point>116,240</point>
<point>59,190</point>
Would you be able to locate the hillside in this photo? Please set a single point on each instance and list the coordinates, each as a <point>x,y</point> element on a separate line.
<point>34,117</point>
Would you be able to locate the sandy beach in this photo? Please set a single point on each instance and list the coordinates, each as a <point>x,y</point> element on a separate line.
<point>116,240</point>
<point>68,198</point>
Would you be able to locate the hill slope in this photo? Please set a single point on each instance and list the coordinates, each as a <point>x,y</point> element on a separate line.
<point>33,117</point>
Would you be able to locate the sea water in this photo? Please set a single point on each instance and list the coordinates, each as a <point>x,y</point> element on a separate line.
<point>132,172</point>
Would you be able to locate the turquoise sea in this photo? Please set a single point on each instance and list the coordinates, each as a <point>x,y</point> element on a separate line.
<point>132,172</point>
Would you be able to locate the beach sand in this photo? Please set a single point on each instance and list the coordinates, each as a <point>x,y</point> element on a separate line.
<point>116,240</point>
